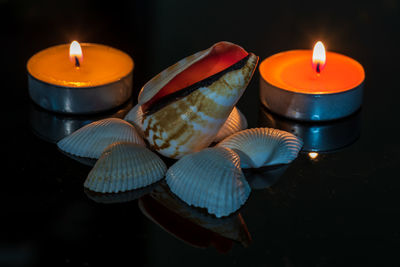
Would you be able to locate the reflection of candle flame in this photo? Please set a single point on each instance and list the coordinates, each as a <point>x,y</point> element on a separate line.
<point>75,53</point>
<point>318,57</point>
<point>313,155</point>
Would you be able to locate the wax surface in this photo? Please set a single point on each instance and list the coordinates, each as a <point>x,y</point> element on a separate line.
<point>292,70</point>
<point>100,65</point>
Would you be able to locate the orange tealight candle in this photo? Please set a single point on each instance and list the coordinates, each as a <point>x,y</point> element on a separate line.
<point>80,78</point>
<point>311,84</point>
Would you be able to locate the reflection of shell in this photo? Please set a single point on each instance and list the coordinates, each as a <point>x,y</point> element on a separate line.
<point>90,140</point>
<point>135,116</point>
<point>125,166</point>
<point>85,161</point>
<point>188,120</point>
<point>210,179</point>
<point>236,122</point>
<point>121,197</point>
<point>263,146</point>
<point>264,177</point>
<point>232,227</point>
<point>175,225</point>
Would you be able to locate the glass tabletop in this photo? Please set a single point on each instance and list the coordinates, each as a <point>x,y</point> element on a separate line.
<point>336,204</point>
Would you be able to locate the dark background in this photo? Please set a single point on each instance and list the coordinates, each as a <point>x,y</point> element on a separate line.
<point>342,209</point>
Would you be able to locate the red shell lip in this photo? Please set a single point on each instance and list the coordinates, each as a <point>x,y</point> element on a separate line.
<point>157,104</point>
<point>221,57</point>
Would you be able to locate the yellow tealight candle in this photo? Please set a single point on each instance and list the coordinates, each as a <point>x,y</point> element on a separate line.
<point>84,78</point>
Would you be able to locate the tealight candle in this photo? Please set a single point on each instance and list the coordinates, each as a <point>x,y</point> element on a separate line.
<point>82,79</point>
<point>311,85</point>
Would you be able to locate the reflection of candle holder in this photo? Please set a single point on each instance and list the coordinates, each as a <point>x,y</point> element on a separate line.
<point>322,136</point>
<point>192,225</point>
<point>52,127</point>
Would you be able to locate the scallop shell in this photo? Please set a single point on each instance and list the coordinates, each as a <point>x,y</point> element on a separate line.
<point>125,166</point>
<point>210,179</point>
<point>135,117</point>
<point>259,147</point>
<point>90,140</point>
<point>189,121</point>
<point>236,122</point>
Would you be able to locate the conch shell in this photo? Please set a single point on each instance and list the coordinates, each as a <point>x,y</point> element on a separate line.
<point>185,105</point>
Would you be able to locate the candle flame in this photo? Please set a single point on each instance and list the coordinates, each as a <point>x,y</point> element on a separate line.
<point>318,57</point>
<point>313,155</point>
<point>75,53</point>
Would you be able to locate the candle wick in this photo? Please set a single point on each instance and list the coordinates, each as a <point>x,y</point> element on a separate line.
<point>318,68</point>
<point>77,63</point>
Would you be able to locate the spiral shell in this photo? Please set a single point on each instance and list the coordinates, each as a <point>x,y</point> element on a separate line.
<point>188,120</point>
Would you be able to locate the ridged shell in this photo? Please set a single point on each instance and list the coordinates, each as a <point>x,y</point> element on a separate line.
<point>91,140</point>
<point>259,147</point>
<point>125,166</point>
<point>210,179</point>
<point>135,117</point>
<point>190,123</point>
<point>236,122</point>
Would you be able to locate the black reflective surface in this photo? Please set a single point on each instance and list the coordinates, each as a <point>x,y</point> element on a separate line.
<point>338,209</point>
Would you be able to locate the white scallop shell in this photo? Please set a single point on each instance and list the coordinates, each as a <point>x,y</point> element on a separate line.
<point>259,147</point>
<point>135,116</point>
<point>90,140</point>
<point>125,166</point>
<point>210,179</point>
<point>234,123</point>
